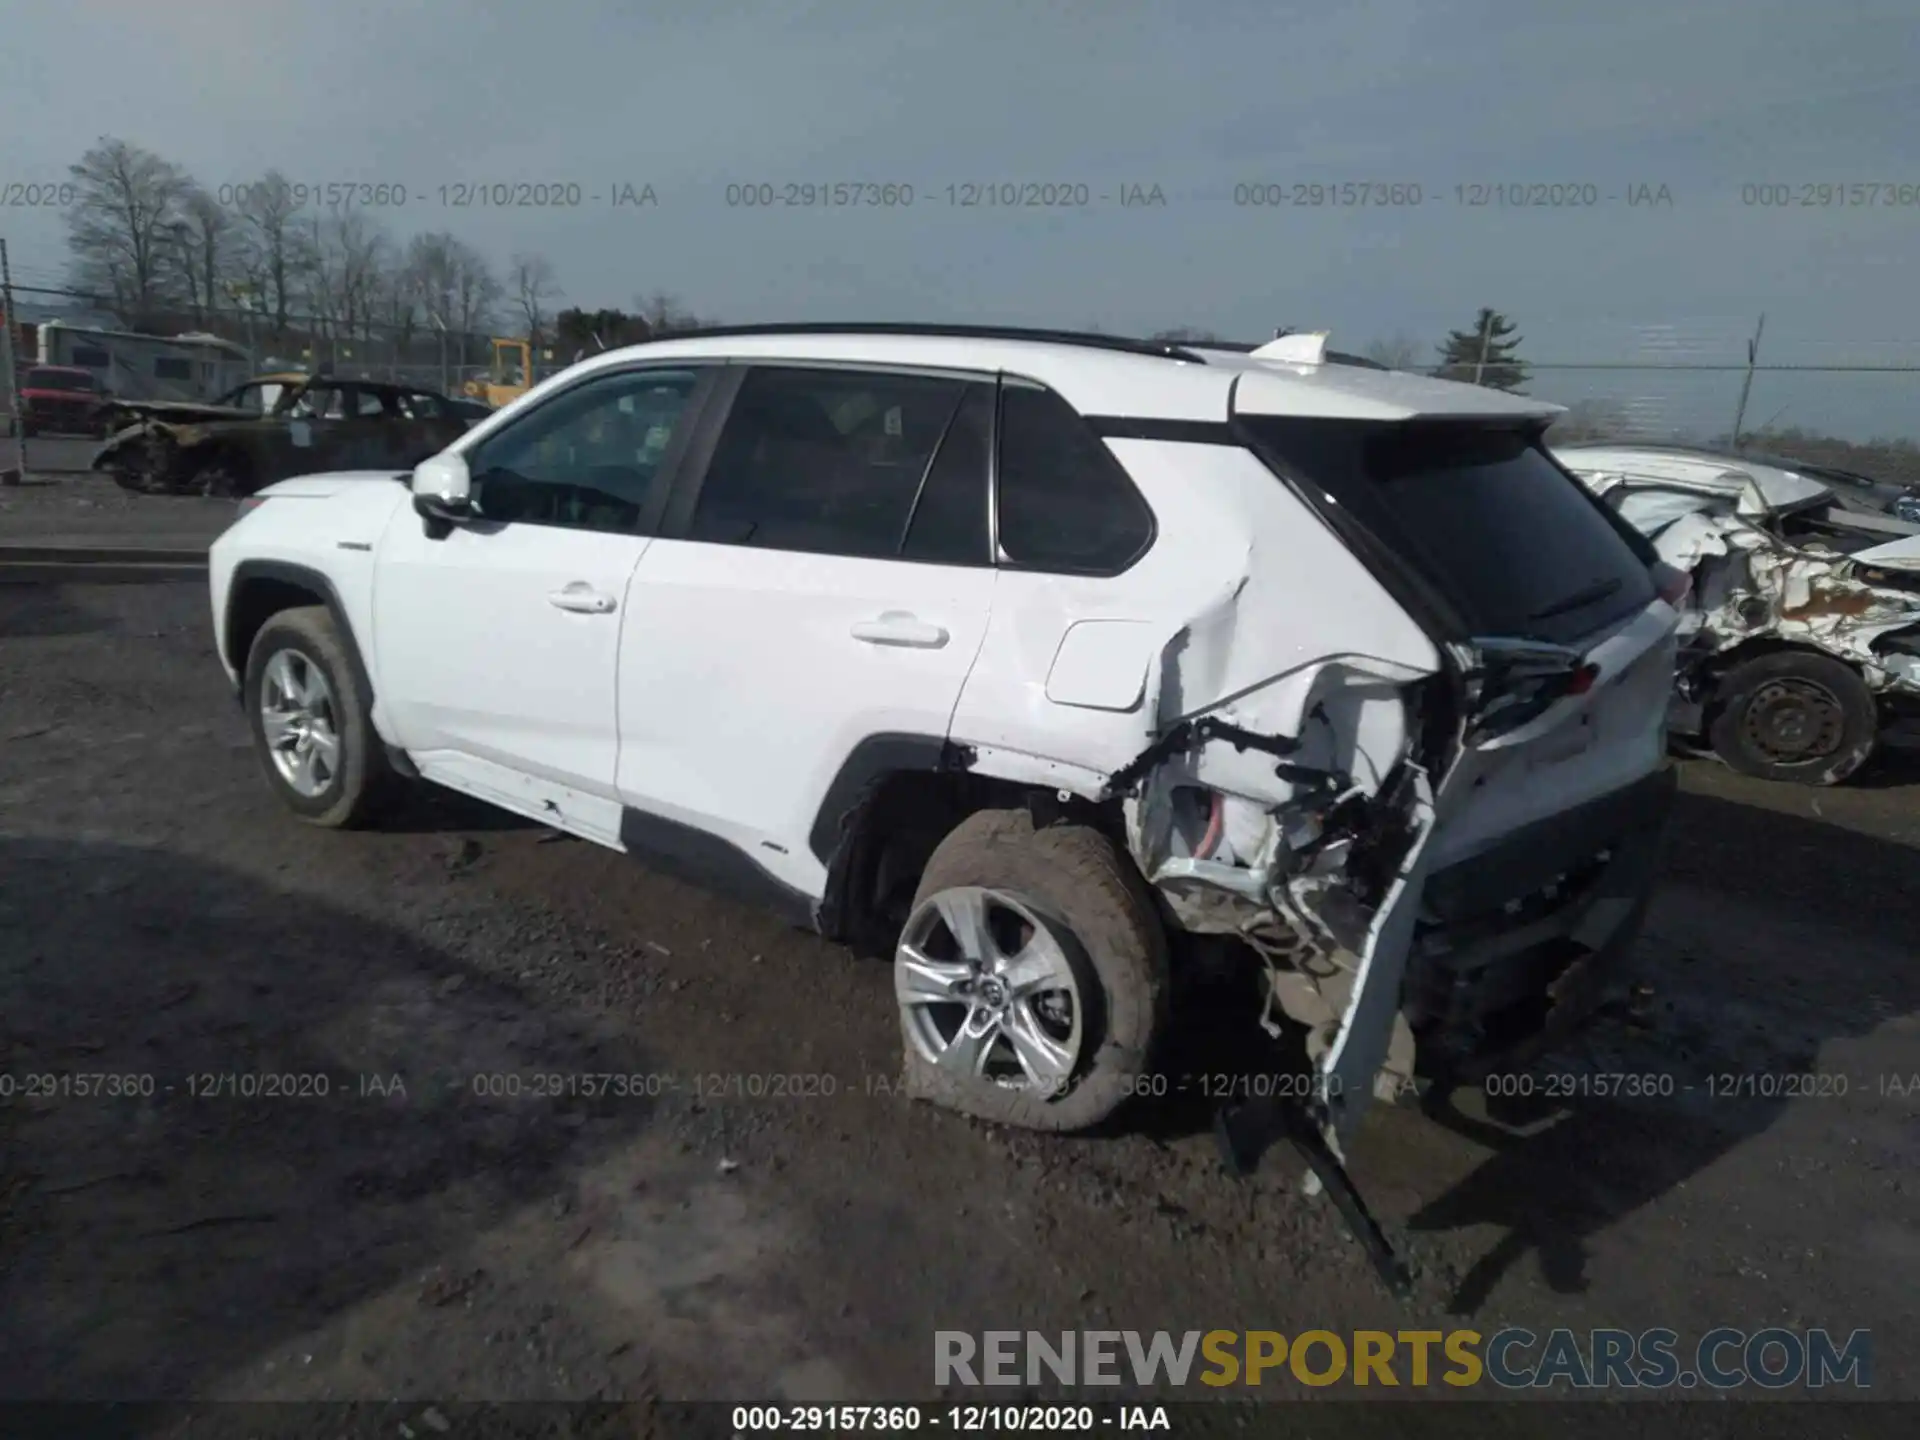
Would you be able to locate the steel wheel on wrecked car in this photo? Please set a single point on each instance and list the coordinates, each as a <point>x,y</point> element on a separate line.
<point>299,721</point>
<point>986,991</point>
<point>1793,719</point>
<point>1797,716</point>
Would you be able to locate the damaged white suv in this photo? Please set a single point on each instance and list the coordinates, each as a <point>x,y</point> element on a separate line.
<point>1030,653</point>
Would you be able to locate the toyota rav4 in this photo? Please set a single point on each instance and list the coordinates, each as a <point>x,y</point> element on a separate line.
<point>1029,655</point>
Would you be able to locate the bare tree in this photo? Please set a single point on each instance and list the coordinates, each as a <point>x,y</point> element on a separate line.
<point>273,252</point>
<point>1401,352</point>
<point>457,288</point>
<point>533,286</point>
<point>206,246</point>
<point>664,314</point>
<point>1184,335</point>
<point>120,224</point>
<point>397,300</point>
<point>363,253</point>
<point>319,280</point>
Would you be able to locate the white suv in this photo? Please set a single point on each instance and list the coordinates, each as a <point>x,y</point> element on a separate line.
<point>1032,654</point>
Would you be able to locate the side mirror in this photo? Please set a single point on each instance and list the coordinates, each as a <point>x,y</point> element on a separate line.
<point>442,494</point>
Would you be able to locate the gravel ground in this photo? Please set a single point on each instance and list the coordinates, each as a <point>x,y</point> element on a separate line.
<point>724,1231</point>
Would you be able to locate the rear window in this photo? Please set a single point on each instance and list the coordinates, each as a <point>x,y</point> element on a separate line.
<point>1479,513</point>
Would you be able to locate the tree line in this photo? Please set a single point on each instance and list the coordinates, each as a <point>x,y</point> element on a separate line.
<point>150,241</point>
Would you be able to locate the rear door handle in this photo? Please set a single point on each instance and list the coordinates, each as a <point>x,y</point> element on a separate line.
<point>582,599</point>
<point>897,627</point>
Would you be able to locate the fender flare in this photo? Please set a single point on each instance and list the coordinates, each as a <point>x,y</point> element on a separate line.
<point>869,763</point>
<point>307,578</point>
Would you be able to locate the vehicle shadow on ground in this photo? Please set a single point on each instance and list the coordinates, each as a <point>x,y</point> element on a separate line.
<point>168,1209</point>
<point>1740,1011</point>
<point>1894,768</point>
<point>428,809</point>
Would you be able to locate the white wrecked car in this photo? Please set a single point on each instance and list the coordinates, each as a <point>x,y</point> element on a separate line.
<point>1023,654</point>
<point>1801,640</point>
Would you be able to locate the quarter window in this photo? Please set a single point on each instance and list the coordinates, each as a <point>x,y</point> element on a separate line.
<point>1065,503</point>
<point>836,462</point>
<point>587,458</point>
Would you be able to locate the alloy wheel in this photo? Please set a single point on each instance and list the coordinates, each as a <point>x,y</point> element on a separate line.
<point>300,723</point>
<point>986,991</point>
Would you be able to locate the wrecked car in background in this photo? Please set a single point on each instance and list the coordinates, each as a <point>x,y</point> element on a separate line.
<point>1800,642</point>
<point>271,428</point>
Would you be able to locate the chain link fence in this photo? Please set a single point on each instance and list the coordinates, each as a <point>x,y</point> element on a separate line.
<point>1747,384</point>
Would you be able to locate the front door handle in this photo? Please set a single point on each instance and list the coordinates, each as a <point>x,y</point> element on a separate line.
<point>582,599</point>
<point>897,627</point>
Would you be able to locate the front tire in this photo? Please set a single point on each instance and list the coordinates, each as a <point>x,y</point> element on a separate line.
<point>1031,977</point>
<point>312,722</point>
<point>223,477</point>
<point>1795,716</point>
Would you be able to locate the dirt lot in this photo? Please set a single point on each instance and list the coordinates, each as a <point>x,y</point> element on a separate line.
<point>408,1234</point>
<point>59,503</point>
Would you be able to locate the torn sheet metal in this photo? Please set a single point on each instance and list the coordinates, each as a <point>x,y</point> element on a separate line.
<point>1749,583</point>
<point>1289,815</point>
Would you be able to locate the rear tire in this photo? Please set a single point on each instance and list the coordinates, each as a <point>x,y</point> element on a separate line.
<point>1097,928</point>
<point>1795,716</point>
<point>301,685</point>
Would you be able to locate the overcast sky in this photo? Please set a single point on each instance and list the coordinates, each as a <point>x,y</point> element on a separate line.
<point>1192,96</point>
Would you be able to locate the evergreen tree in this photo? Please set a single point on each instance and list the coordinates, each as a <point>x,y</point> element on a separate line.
<point>1484,355</point>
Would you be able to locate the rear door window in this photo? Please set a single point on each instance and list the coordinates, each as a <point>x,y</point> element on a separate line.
<point>1480,513</point>
<point>832,462</point>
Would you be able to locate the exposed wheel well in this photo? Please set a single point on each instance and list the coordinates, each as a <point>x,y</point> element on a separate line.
<point>887,839</point>
<point>256,600</point>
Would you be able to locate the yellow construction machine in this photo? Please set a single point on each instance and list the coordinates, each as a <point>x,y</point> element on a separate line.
<point>510,374</point>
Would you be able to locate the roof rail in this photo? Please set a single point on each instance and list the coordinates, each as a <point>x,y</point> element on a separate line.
<point>1164,350</point>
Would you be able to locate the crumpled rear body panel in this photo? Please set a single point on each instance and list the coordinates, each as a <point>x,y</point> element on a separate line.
<point>1281,736</point>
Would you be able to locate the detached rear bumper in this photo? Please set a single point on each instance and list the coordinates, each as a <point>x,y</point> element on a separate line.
<point>1518,945</point>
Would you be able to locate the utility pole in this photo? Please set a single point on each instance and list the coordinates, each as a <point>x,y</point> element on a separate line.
<point>243,296</point>
<point>440,324</point>
<point>15,473</point>
<point>1486,343</point>
<point>1746,385</point>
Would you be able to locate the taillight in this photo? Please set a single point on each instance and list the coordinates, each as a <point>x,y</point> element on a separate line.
<point>1581,681</point>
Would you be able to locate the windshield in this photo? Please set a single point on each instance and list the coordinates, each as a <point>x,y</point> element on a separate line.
<point>76,380</point>
<point>259,396</point>
<point>1481,514</point>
